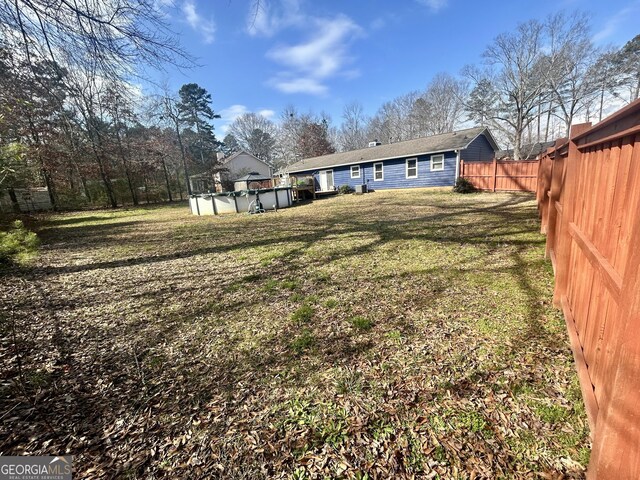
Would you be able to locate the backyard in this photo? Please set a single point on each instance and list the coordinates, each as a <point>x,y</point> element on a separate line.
<point>397,334</point>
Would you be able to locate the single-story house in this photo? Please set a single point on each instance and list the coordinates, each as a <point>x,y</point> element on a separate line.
<point>422,162</point>
<point>239,164</point>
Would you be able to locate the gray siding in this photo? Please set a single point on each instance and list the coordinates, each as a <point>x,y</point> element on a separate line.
<point>480,150</point>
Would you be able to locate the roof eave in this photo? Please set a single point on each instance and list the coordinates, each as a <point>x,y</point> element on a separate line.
<point>431,152</point>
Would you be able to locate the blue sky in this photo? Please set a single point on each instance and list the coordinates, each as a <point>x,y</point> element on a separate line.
<point>320,55</point>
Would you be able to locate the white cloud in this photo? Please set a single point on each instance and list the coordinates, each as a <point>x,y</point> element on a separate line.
<point>322,56</point>
<point>206,28</point>
<point>611,25</point>
<point>267,113</point>
<point>434,5</point>
<point>299,85</point>
<point>229,114</point>
<point>267,18</point>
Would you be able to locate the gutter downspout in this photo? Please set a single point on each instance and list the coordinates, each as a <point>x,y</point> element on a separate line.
<point>457,165</point>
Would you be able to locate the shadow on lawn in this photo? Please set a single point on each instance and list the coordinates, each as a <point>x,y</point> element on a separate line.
<point>428,228</point>
<point>193,382</point>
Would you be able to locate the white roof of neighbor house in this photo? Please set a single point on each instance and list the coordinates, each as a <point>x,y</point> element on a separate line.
<point>457,140</point>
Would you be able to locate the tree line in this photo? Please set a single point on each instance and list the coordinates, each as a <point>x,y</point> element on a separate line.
<point>533,83</point>
<point>72,120</point>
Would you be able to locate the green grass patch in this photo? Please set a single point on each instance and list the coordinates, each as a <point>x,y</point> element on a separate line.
<point>361,323</point>
<point>331,303</point>
<point>18,245</point>
<point>303,314</point>
<point>303,342</point>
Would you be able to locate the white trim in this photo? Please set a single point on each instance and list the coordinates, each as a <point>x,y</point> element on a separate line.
<point>351,171</point>
<point>406,169</point>
<point>381,171</point>
<point>457,164</point>
<point>431,161</point>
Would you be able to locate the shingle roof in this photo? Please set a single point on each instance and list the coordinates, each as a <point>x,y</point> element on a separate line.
<point>436,143</point>
<point>252,177</point>
<point>528,151</point>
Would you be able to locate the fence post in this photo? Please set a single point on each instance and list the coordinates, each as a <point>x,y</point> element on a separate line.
<point>495,172</point>
<point>563,253</point>
<point>461,167</point>
<point>555,187</point>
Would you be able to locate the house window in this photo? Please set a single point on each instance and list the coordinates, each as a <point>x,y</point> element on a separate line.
<point>355,171</point>
<point>437,163</point>
<point>412,168</point>
<point>378,173</point>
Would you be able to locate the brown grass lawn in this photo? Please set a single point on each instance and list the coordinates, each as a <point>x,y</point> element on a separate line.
<point>400,334</point>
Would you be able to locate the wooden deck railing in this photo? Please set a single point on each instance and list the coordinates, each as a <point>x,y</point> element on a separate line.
<point>588,195</point>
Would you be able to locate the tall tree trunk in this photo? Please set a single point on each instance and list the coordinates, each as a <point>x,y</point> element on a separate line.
<point>127,172</point>
<point>46,175</point>
<point>166,179</point>
<point>108,186</point>
<point>184,162</point>
<point>538,126</point>
<point>14,200</point>
<point>146,189</point>
<point>546,128</point>
<point>179,183</point>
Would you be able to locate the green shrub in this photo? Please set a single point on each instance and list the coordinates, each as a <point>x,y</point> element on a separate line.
<point>18,245</point>
<point>344,189</point>
<point>463,186</point>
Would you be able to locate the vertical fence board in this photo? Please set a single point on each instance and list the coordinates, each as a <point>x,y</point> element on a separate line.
<point>502,175</point>
<point>588,195</point>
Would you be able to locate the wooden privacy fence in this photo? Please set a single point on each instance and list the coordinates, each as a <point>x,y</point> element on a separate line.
<point>501,175</point>
<point>589,200</point>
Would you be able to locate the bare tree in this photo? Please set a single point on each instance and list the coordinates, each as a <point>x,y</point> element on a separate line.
<point>513,86</point>
<point>441,107</point>
<point>109,36</point>
<point>352,133</point>
<point>571,56</point>
<point>255,134</point>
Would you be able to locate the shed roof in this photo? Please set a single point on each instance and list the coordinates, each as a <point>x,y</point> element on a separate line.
<point>457,140</point>
<point>252,177</point>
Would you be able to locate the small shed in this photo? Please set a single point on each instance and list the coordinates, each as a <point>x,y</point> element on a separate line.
<point>252,181</point>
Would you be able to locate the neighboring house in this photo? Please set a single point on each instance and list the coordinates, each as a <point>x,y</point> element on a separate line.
<point>423,162</point>
<point>240,164</point>
<point>529,151</point>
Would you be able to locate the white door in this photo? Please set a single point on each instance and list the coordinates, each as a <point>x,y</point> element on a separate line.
<point>326,180</point>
